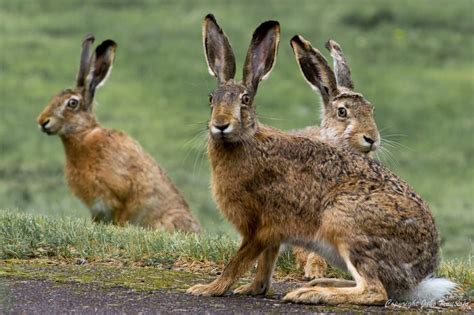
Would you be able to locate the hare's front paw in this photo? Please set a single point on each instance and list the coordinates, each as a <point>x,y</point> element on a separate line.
<point>211,289</point>
<point>252,289</point>
<point>315,267</point>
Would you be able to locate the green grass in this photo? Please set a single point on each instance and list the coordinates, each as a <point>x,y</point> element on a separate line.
<point>412,59</point>
<point>24,236</point>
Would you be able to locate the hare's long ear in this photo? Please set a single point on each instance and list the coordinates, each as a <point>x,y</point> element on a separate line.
<point>219,55</point>
<point>341,68</point>
<point>314,68</point>
<point>85,59</point>
<point>99,68</point>
<point>262,54</point>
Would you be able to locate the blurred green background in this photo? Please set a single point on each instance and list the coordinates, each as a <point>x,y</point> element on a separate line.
<point>412,59</point>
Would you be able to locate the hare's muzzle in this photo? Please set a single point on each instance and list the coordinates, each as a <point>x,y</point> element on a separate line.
<point>221,128</point>
<point>45,125</point>
<point>369,144</point>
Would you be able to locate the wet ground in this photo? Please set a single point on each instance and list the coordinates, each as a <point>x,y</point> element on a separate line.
<point>19,295</point>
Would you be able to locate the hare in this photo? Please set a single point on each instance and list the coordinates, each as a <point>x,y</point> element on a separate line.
<point>276,187</point>
<point>106,169</point>
<point>350,124</point>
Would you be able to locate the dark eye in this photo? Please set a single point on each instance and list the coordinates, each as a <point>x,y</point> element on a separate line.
<point>72,103</point>
<point>245,99</point>
<point>210,99</point>
<point>342,112</point>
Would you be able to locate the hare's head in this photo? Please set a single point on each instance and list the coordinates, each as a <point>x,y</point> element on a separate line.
<point>233,116</point>
<point>70,111</point>
<point>348,118</point>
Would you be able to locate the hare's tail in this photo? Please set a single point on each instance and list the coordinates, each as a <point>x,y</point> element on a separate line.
<point>430,289</point>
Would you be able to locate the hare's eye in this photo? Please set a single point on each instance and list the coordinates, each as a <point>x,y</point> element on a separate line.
<point>72,103</point>
<point>210,99</point>
<point>342,112</point>
<point>245,99</point>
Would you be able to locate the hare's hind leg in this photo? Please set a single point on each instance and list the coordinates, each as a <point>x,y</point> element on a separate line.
<point>367,291</point>
<point>263,277</point>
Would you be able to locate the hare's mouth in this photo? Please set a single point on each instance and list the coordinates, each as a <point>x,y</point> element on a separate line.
<point>222,137</point>
<point>223,132</point>
<point>367,149</point>
<point>48,127</point>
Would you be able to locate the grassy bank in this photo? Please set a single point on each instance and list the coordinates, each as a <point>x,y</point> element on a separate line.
<point>24,236</point>
<point>78,241</point>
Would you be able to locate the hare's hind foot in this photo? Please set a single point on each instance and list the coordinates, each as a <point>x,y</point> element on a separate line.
<point>365,290</point>
<point>330,282</point>
<point>334,296</point>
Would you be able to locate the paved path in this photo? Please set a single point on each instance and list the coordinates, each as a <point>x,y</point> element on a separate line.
<point>47,297</point>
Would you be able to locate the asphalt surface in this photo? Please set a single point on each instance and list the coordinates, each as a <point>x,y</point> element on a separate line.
<point>24,296</point>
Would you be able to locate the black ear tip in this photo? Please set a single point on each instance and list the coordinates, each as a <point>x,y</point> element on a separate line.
<point>109,43</point>
<point>297,40</point>
<point>88,38</point>
<point>333,45</point>
<point>328,45</point>
<point>106,44</point>
<point>211,17</point>
<point>273,23</point>
<point>267,25</point>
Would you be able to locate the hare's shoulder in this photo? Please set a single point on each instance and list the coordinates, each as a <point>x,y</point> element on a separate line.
<point>118,149</point>
<point>338,162</point>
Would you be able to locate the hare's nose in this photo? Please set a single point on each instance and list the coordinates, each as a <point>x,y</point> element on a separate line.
<point>369,140</point>
<point>44,124</point>
<point>222,127</point>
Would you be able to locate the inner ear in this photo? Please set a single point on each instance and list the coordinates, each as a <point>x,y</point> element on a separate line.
<point>85,60</point>
<point>261,54</point>
<point>218,52</point>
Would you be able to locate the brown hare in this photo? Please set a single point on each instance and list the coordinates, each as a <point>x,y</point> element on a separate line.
<point>349,124</point>
<point>277,188</point>
<point>106,169</point>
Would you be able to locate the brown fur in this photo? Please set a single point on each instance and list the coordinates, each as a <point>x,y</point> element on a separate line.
<point>106,169</point>
<point>277,188</point>
<point>351,131</point>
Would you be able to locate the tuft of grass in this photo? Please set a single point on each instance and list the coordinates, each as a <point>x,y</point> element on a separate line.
<point>462,272</point>
<point>25,236</point>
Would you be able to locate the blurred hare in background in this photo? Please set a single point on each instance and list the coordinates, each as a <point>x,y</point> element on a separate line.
<point>346,122</point>
<point>106,169</point>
